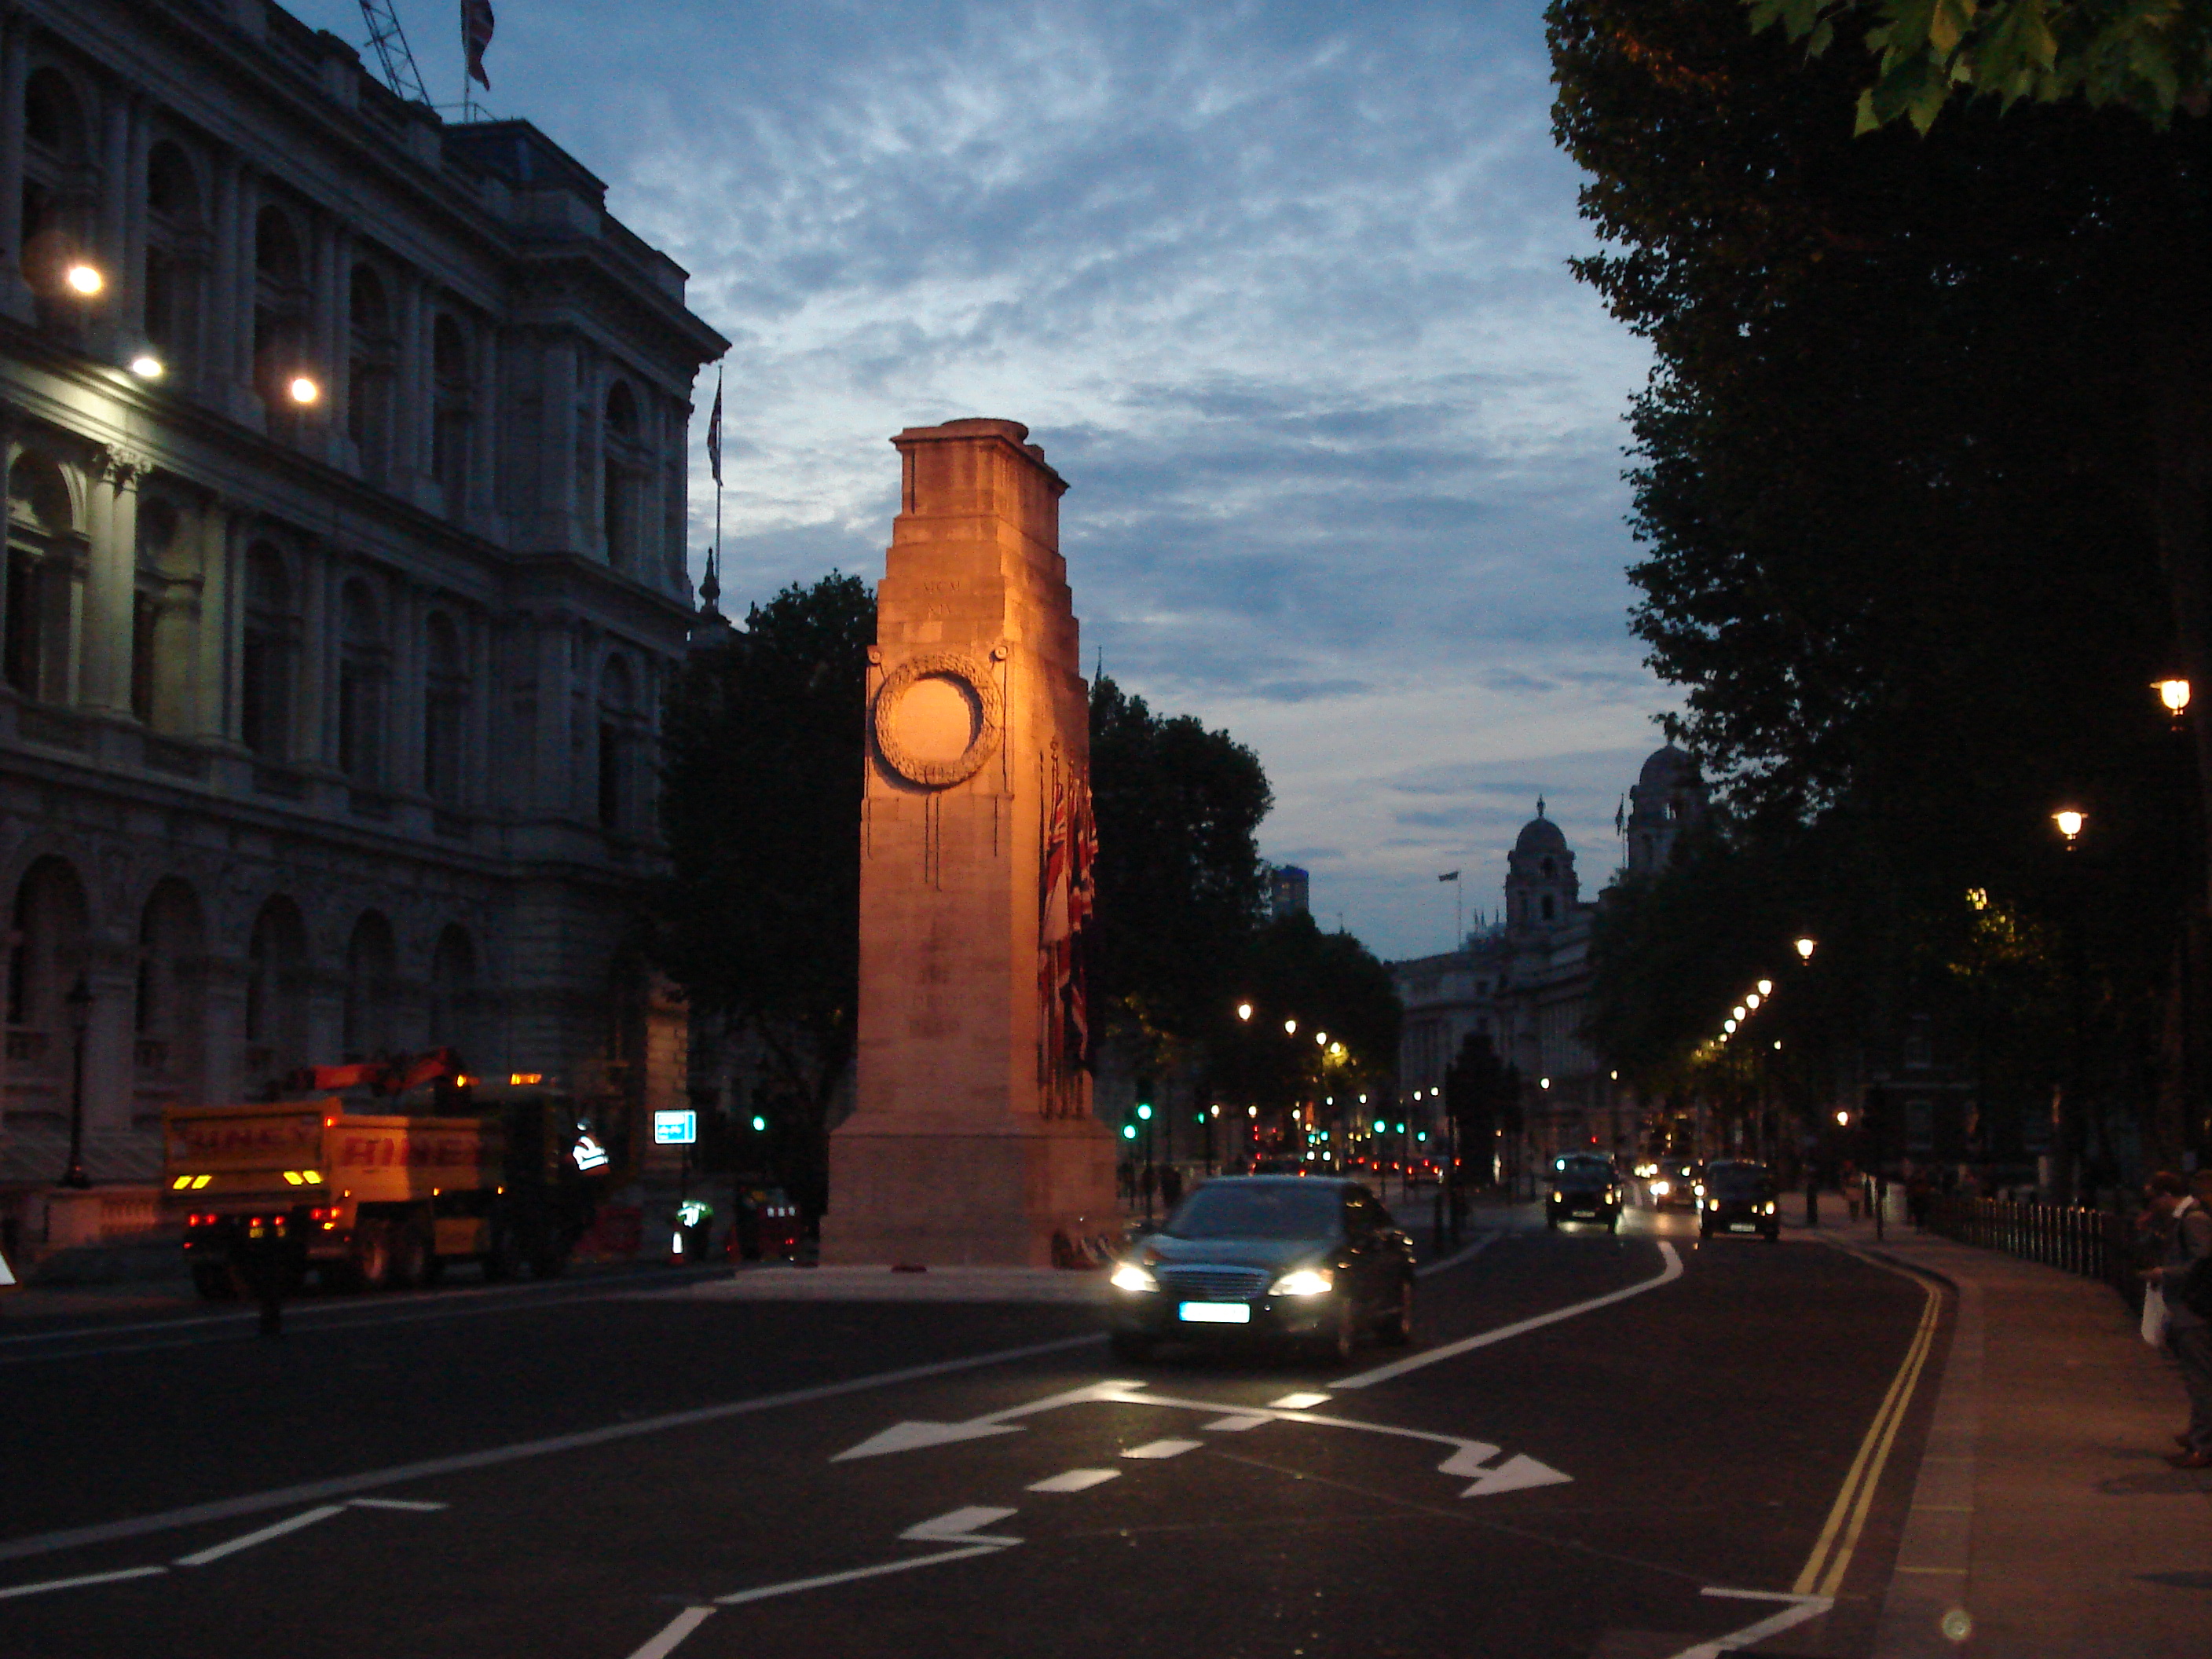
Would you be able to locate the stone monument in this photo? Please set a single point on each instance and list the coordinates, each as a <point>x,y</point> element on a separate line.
<point>972,1140</point>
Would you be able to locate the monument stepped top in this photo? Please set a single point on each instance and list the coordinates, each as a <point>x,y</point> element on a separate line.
<point>981,426</point>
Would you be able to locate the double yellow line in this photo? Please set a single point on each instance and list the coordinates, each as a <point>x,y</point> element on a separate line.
<point>1832,1554</point>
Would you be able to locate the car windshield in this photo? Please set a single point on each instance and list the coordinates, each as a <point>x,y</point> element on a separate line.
<point>1272,1209</point>
<point>1582,1172</point>
<point>1741,1180</point>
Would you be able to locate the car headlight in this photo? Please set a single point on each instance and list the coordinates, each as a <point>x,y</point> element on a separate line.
<point>1660,1189</point>
<point>1130,1277</point>
<point>1770,1206</point>
<point>1304,1281</point>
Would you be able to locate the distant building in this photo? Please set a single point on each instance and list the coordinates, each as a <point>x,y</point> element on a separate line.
<point>1286,890</point>
<point>344,573</point>
<point>1669,797</point>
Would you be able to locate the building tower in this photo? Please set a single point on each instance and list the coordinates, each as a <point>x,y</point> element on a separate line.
<point>1669,797</point>
<point>1540,887</point>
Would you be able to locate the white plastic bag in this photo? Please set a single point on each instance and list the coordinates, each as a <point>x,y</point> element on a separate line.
<point>2154,1319</point>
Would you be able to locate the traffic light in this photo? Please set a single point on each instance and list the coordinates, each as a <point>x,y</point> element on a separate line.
<point>1128,1131</point>
<point>760,1124</point>
<point>1145,1110</point>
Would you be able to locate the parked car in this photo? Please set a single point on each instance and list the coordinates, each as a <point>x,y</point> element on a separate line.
<point>1312,1260</point>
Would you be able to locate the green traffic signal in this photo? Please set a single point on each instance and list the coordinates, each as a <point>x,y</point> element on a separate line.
<point>760,1125</point>
<point>1145,1110</point>
<point>1128,1131</point>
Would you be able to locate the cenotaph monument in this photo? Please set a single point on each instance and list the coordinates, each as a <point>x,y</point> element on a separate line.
<point>972,1140</point>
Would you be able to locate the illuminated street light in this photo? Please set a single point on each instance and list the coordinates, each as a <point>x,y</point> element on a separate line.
<point>1739,1011</point>
<point>304,389</point>
<point>1766,987</point>
<point>1752,1001</point>
<point>2174,694</point>
<point>1289,1028</point>
<point>1243,1011</point>
<point>1321,1039</point>
<point>84,279</point>
<point>1843,1120</point>
<point>1728,1025</point>
<point>2069,822</point>
<point>1544,1082</point>
<point>146,366</point>
<point>1804,950</point>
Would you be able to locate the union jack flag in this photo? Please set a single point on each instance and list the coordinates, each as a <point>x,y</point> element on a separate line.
<point>477,23</point>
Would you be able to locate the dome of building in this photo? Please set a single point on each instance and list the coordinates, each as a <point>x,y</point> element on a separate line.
<point>1668,769</point>
<point>1541,835</point>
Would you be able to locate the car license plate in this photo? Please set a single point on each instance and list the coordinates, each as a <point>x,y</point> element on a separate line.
<point>1743,1226</point>
<point>1216,1313</point>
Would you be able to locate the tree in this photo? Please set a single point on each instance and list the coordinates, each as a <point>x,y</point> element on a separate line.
<point>1179,882</point>
<point>1902,500</point>
<point>759,919</point>
<point>2156,59</point>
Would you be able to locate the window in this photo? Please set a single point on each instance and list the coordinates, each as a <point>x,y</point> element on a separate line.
<point>1550,908</point>
<point>280,318</point>
<point>371,965</point>
<point>44,554</point>
<point>57,203</point>
<point>364,669</point>
<point>449,428</point>
<point>617,720</point>
<point>453,984</point>
<point>272,646</point>
<point>165,620</point>
<point>372,361</point>
<point>175,239</point>
<point>275,991</point>
<point>444,703</point>
<point>623,469</point>
<point>46,954</point>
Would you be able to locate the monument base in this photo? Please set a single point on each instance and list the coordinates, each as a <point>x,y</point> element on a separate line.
<point>957,1197</point>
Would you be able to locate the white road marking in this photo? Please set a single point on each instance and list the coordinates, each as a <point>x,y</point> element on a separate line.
<point>1298,1402</point>
<point>409,1504</point>
<point>406,1473</point>
<point>830,1578</point>
<point>215,1552</point>
<point>1455,1258</point>
<point>79,1582</point>
<point>1076,1481</point>
<point>1514,1474</point>
<point>1801,1608</point>
<point>1156,1449</point>
<point>677,1629</point>
<point>958,1525</point>
<point>1667,1275</point>
<point>1235,1425</point>
<point>912,1436</point>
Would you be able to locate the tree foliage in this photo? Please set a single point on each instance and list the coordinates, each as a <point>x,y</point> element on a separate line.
<point>1332,985</point>
<point>759,919</point>
<point>1179,882</point>
<point>1901,494</point>
<point>2154,57</point>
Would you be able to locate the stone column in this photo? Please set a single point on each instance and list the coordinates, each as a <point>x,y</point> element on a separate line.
<point>110,1041</point>
<point>217,367</point>
<point>972,1139</point>
<point>555,794</point>
<point>112,588</point>
<point>222,624</point>
<point>404,748</point>
<point>139,144</point>
<point>333,337</point>
<point>115,200</point>
<point>558,528</point>
<point>586,461</point>
<point>315,675</point>
<point>485,403</point>
<point>14,69</point>
<point>410,460</point>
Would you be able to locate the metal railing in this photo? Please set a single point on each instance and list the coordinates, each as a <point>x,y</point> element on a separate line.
<point>2095,1243</point>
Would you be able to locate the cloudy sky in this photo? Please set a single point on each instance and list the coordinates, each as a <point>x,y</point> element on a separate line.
<point>1281,289</point>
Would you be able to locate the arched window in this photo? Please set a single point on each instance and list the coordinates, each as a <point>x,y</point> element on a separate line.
<point>449,424</point>
<point>371,970</point>
<point>364,674</point>
<point>47,957</point>
<point>44,556</point>
<point>280,318</point>
<point>623,467</point>
<point>277,992</point>
<point>371,365</point>
<point>444,710</point>
<point>176,252</point>
<point>452,992</point>
<point>1550,869</point>
<point>57,204</point>
<point>617,723</point>
<point>272,645</point>
<point>1550,911</point>
<point>168,1015</point>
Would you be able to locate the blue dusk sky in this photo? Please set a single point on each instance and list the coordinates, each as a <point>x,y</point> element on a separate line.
<point>1280,288</point>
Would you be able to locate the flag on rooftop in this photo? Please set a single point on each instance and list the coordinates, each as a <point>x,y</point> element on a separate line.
<point>1448,875</point>
<point>715,430</point>
<point>476,24</point>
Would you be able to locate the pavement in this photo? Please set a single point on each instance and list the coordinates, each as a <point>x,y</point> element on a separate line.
<point>2043,1519</point>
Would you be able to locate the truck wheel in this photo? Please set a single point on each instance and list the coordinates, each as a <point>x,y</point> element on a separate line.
<point>411,1258</point>
<point>372,1256</point>
<point>214,1281</point>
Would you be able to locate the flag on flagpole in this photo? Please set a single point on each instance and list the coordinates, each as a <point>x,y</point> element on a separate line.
<point>715,430</point>
<point>476,24</point>
<point>1448,875</point>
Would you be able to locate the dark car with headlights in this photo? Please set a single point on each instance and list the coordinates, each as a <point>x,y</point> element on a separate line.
<point>1309,1259</point>
<point>1672,1184</point>
<point>1739,1197</point>
<point>1584,1187</point>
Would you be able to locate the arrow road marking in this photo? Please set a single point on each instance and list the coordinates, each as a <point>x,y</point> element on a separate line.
<point>81,1581</point>
<point>1076,1481</point>
<point>1298,1402</point>
<point>1801,1608</point>
<point>1235,1425</point>
<point>959,1527</point>
<point>912,1436</point>
<point>216,1552</point>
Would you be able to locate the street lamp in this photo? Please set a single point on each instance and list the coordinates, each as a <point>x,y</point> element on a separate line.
<point>1804,950</point>
<point>1289,1028</point>
<point>78,1000</point>
<point>2069,822</point>
<point>84,280</point>
<point>2174,694</point>
<point>1244,1011</point>
<point>146,366</point>
<point>1766,987</point>
<point>305,389</point>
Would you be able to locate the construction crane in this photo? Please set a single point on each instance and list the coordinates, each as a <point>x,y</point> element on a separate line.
<point>392,50</point>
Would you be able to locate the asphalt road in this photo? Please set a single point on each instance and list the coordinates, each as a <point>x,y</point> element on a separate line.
<point>594,1468</point>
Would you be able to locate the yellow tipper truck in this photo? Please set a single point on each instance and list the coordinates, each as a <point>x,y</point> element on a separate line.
<point>370,1198</point>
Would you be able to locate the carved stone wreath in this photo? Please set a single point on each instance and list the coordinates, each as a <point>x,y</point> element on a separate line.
<point>975,677</point>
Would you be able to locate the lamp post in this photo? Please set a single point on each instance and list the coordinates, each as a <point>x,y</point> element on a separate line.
<point>78,1000</point>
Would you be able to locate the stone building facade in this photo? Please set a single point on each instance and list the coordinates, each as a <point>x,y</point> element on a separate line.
<point>346,568</point>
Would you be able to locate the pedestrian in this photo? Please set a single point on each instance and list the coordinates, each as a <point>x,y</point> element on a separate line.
<point>2184,1229</point>
<point>1854,1185</point>
<point>1145,1179</point>
<point>1170,1187</point>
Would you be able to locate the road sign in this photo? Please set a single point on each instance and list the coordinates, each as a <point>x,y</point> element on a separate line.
<point>675,1128</point>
